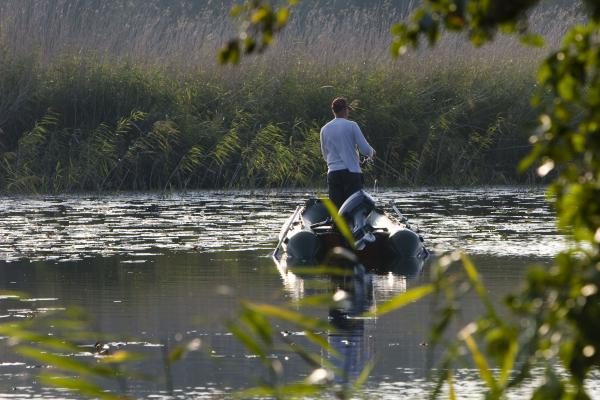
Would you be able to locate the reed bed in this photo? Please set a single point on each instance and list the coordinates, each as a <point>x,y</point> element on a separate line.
<point>101,95</point>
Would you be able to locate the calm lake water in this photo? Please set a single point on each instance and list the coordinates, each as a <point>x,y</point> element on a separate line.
<point>155,270</point>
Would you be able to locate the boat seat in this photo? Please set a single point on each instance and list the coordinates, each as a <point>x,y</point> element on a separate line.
<point>314,212</point>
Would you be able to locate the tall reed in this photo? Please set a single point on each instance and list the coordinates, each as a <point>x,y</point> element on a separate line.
<point>128,96</point>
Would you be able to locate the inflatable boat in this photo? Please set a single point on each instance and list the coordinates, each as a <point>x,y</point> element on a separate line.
<point>383,242</point>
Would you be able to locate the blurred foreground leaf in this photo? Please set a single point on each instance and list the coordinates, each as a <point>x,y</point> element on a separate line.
<point>79,385</point>
<point>402,300</point>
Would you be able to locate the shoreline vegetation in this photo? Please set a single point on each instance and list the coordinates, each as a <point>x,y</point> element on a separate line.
<point>97,97</point>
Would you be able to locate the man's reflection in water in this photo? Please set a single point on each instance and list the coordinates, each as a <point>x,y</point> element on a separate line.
<point>352,335</point>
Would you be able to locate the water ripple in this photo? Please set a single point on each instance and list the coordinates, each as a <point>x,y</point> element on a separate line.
<point>495,221</point>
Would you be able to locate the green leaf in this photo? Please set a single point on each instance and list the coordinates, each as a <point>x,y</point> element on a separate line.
<point>176,354</point>
<point>236,10</point>
<point>533,40</point>
<point>255,393</point>
<point>402,299</point>
<point>283,14</point>
<point>339,222</point>
<point>81,385</point>
<point>230,54</point>
<point>552,388</point>
<point>64,363</point>
<point>398,48</point>
<point>455,22</point>
<point>567,87</point>
<point>267,38</point>
<point>478,37</point>
<point>475,280</point>
<point>293,390</point>
<point>480,362</point>
<point>320,341</point>
<point>322,270</point>
<point>259,324</point>
<point>509,361</point>
<point>324,300</point>
<point>364,375</point>
<point>248,341</point>
<point>260,15</point>
<point>20,335</point>
<point>398,29</point>
<point>315,360</point>
<point>119,357</point>
<point>294,317</point>
<point>7,295</point>
<point>530,159</point>
<point>249,45</point>
<point>450,382</point>
<point>473,275</point>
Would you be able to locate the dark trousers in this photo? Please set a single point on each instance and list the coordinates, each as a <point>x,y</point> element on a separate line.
<point>342,184</point>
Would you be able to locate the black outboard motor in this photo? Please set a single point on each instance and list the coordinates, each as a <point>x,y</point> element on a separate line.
<point>356,210</point>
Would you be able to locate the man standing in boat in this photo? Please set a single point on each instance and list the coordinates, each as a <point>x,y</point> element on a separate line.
<point>341,142</point>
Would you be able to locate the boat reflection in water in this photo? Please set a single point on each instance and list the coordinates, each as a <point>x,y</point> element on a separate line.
<point>354,292</point>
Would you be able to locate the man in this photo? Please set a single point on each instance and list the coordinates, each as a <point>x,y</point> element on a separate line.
<point>340,139</point>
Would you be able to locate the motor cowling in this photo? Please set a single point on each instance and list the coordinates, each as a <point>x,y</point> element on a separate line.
<point>356,210</point>
<point>358,202</point>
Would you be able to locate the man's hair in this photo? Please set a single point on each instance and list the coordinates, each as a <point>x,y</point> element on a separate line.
<point>340,104</point>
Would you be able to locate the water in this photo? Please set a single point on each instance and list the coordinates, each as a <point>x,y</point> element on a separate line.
<point>155,271</point>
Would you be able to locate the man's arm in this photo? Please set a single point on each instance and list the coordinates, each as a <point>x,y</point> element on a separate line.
<point>363,146</point>
<point>322,145</point>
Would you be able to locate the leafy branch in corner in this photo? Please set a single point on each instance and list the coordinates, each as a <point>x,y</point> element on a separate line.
<point>261,22</point>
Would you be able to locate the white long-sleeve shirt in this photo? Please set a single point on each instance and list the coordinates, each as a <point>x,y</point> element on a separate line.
<point>340,139</point>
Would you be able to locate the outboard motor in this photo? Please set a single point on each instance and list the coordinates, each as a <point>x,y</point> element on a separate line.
<point>356,210</point>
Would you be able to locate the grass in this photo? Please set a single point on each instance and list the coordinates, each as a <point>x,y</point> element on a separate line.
<point>110,97</point>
